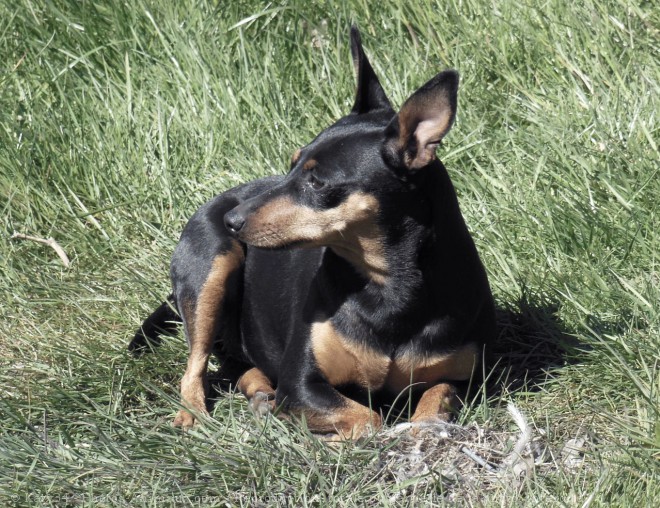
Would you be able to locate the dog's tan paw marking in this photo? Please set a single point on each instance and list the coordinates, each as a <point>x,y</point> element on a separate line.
<point>262,404</point>
<point>185,419</point>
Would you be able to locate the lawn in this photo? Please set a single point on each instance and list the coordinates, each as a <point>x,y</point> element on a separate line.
<point>118,119</point>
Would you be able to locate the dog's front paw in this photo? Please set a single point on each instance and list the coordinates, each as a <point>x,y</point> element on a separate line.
<point>355,431</point>
<point>262,404</point>
<point>185,419</point>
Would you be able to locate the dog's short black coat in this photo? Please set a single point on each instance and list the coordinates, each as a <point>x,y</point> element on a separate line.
<point>355,269</point>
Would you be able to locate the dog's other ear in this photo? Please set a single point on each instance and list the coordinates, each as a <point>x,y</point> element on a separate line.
<point>370,95</point>
<point>424,119</point>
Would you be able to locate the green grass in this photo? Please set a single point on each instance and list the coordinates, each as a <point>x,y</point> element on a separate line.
<point>118,119</point>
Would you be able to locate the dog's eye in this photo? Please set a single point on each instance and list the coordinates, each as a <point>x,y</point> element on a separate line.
<point>315,183</point>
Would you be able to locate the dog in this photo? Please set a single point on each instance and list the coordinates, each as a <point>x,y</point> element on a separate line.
<point>352,276</point>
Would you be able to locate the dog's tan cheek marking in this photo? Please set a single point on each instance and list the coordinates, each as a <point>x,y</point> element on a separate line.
<point>342,361</point>
<point>455,366</point>
<point>201,331</point>
<point>362,242</point>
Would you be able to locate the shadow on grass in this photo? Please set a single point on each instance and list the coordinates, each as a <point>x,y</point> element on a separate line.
<point>531,343</point>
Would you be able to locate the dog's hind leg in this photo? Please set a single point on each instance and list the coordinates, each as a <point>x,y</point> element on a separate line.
<point>202,317</point>
<point>207,278</point>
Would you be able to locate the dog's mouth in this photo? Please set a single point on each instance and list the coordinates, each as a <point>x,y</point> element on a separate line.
<point>280,223</point>
<point>268,236</point>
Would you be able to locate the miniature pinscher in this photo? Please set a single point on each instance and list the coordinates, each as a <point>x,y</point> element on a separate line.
<point>354,273</point>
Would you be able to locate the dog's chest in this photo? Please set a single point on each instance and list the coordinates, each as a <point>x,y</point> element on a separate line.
<point>345,361</point>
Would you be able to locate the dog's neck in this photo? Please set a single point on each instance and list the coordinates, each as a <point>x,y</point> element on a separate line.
<point>396,262</point>
<point>389,270</point>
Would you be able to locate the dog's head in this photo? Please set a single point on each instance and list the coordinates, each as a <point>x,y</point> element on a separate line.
<point>340,183</point>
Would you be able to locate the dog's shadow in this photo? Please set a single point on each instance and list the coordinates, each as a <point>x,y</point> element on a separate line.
<point>531,345</point>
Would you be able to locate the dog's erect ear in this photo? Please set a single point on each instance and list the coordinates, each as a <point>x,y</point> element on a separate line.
<point>424,119</point>
<point>370,95</point>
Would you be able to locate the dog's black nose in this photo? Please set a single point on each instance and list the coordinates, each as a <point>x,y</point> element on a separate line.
<point>234,221</point>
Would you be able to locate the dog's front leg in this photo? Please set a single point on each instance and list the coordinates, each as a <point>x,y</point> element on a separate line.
<point>348,421</point>
<point>437,403</point>
<point>326,411</point>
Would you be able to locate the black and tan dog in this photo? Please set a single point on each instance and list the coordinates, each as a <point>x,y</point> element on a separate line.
<point>354,273</point>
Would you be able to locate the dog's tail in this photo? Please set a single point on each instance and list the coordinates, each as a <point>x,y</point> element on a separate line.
<point>163,321</point>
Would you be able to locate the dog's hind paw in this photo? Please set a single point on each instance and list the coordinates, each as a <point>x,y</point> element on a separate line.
<point>262,404</point>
